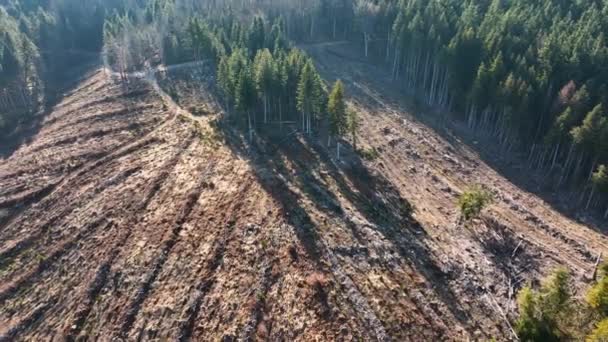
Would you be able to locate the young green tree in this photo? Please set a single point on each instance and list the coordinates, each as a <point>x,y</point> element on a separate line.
<point>353,126</point>
<point>527,325</point>
<point>224,81</point>
<point>265,76</point>
<point>600,333</point>
<point>597,297</point>
<point>336,109</point>
<point>246,96</point>
<point>544,315</point>
<point>473,201</point>
<point>309,95</point>
<point>599,182</point>
<point>555,297</point>
<point>587,136</point>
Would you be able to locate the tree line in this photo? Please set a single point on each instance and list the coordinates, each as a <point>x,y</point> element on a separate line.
<point>39,41</point>
<point>531,74</point>
<point>262,79</point>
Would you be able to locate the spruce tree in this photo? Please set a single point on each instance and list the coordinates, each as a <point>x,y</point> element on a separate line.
<point>265,76</point>
<point>353,126</point>
<point>245,97</point>
<point>309,95</point>
<point>336,109</point>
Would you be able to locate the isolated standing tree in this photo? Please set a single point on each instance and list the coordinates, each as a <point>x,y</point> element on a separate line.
<point>542,313</point>
<point>336,109</point>
<point>353,126</point>
<point>473,201</point>
<point>600,333</point>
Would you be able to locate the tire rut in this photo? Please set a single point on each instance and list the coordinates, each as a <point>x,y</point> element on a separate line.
<point>104,116</point>
<point>29,277</point>
<point>141,295</point>
<point>13,332</point>
<point>256,314</point>
<point>103,272</point>
<point>11,252</point>
<point>207,274</point>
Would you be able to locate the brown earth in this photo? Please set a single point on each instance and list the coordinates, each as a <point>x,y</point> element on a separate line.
<point>129,218</point>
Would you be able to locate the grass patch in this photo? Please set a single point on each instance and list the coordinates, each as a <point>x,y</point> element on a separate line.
<point>369,154</point>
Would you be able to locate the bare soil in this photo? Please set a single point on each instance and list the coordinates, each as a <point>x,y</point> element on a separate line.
<point>128,217</point>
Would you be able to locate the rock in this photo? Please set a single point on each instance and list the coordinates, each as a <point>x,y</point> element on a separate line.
<point>531,218</point>
<point>395,142</point>
<point>449,159</point>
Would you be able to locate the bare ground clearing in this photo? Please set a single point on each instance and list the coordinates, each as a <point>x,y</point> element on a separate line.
<point>127,217</point>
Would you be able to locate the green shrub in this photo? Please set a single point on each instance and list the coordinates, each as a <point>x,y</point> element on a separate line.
<point>597,297</point>
<point>544,315</point>
<point>370,154</point>
<point>600,333</point>
<point>473,201</point>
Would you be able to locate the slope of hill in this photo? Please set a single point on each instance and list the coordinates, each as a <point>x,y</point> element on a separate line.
<point>127,217</point>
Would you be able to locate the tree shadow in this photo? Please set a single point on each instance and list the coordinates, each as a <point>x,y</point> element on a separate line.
<point>297,171</point>
<point>29,127</point>
<point>512,165</point>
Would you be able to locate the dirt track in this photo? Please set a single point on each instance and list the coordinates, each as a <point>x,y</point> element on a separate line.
<point>125,218</point>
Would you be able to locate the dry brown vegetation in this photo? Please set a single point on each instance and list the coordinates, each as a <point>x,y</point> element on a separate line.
<point>126,217</point>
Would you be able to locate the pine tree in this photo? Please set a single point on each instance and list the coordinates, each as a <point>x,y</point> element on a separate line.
<point>353,126</point>
<point>336,109</point>
<point>600,333</point>
<point>588,133</point>
<point>265,76</point>
<point>224,80</point>
<point>245,97</point>
<point>309,95</point>
<point>542,313</point>
<point>599,182</point>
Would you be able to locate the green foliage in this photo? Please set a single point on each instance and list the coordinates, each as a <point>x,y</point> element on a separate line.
<point>597,297</point>
<point>281,81</point>
<point>336,109</point>
<point>39,41</point>
<point>527,325</point>
<point>353,126</point>
<point>473,201</point>
<point>245,90</point>
<point>600,178</point>
<point>589,132</point>
<point>600,333</point>
<point>369,154</point>
<point>509,70</point>
<point>542,313</point>
<point>310,94</point>
<point>555,296</point>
